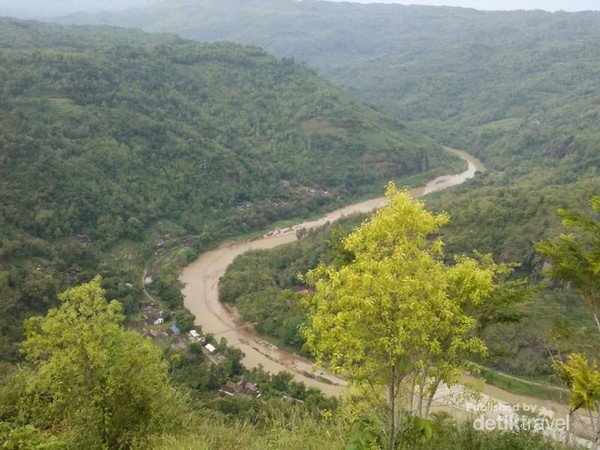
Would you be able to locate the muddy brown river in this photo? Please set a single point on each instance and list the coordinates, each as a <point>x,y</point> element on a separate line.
<point>201,277</point>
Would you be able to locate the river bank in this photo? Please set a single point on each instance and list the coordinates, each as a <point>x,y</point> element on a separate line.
<point>201,277</point>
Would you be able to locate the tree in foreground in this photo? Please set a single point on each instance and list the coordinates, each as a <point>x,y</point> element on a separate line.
<point>397,320</point>
<point>90,380</point>
<point>575,257</point>
<point>575,261</point>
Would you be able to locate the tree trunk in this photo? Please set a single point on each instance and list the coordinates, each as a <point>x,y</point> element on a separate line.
<point>422,385</point>
<point>434,389</point>
<point>412,392</point>
<point>595,428</point>
<point>392,394</point>
<point>568,435</point>
<point>597,320</point>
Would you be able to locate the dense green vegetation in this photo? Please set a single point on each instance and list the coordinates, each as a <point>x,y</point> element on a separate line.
<point>575,261</point>
<point>519,89</point>
<point>90,383</point>
<point>122,153</point>
<point>396,319</point>
<point>90,377</point>
<point>108,146</point>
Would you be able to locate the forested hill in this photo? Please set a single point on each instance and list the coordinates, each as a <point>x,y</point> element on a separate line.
<point>520,89</point>
<point>434,67</point>
<point>100,141</point>
<point>25,34</point>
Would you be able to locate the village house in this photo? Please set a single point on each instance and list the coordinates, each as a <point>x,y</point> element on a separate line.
<point>242,387</point>
<point>213,354</point>
<point>158,334</point>
<point>211,349</point>
<point>194,335</point>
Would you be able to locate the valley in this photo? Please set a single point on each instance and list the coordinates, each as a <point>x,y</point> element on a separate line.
<point>200,281</point>
<point>201,295</point>
<point>155,162</point>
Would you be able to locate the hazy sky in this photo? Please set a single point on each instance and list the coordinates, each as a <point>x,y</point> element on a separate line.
<point>55,7</point>
<point>548,5</point>
<point>43,8</point>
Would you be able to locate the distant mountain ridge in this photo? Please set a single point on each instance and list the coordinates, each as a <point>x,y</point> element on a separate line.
<point>448,72</point>
<point>29,34</point>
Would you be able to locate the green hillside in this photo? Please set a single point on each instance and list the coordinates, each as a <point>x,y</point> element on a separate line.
<point>106,146</point>
<point>118,153</point>
<point>24,34</point>
<point>519,89</point>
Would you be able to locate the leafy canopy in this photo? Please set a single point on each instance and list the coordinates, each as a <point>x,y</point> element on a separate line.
<point>575,260</point>
<point>396,313</point>
<point>98,381</point>
<point>396,304</point>
<point>575,256</point>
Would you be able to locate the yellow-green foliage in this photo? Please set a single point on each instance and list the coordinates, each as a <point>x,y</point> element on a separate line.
<point>91,384</point>
<point>92,381</point>
<point>583,378</point>
<point>396,314</point>
<point>396,305</point>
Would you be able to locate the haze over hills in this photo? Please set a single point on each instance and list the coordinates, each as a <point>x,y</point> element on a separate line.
<point>519,89</point>
<point>425,65</point>
<point>49,8</point>
<point>500,5</point>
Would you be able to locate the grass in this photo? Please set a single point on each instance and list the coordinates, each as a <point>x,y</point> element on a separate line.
<point>295,430</point>
<point>522,386</point>
<point>128,255</point>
